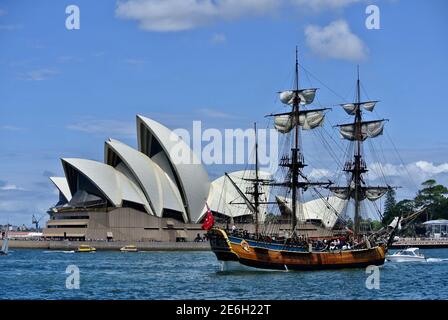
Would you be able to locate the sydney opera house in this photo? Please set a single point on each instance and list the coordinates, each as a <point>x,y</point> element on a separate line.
<point>140,195</point>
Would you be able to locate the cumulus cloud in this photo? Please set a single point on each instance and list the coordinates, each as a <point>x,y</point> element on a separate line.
<point>335,41</point>
<point>406,176</point>
<point>419,171</point>
<point>176,15</point>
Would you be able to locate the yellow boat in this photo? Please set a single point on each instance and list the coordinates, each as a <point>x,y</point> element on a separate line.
<point>85,248</point>
<point>129,248</point>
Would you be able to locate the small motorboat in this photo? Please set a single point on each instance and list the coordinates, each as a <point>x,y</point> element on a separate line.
<point>129,248</point>
<point>407,255</point>
<point>85,248</point>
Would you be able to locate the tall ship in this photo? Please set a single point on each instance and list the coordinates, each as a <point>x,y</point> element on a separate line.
<point>294,240</point>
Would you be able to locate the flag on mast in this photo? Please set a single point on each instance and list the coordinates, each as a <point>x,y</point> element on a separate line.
<point>209,220</point>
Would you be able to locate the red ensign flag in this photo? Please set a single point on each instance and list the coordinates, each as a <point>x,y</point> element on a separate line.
<point>209,220</point>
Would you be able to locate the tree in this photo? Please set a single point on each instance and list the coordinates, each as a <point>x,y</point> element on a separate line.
<point>432,196</point>
<point>389,207</point>
<point>375,225</point>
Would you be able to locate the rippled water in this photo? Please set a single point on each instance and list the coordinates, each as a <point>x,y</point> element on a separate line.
<point>37,274</point>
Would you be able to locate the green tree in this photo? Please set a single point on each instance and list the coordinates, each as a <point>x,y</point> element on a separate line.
<point>389,207</point>
<point>375,225</point>
<point>433,197</point>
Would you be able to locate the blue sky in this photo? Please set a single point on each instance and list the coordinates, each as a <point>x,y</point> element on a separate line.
<point>63,92</point>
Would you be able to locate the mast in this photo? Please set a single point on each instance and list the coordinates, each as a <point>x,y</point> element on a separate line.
<point>357,132</point>
<point>295,149</point>
<point>256,192</point>
<point>293,122</point>
<point>357,168</point>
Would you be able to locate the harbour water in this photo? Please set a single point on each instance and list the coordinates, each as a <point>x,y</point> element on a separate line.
<point>40,274</point>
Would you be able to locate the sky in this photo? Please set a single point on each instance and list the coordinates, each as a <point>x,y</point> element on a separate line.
<point>64,92</point>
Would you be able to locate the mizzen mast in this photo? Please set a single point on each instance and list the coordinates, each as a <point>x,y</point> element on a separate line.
<point>359,131</point>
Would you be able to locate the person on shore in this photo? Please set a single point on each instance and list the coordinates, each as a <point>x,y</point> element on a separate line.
<point>198,238</point>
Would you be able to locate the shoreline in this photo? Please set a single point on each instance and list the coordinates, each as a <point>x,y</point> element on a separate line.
<point>421,243</point>
<point>108,246</point>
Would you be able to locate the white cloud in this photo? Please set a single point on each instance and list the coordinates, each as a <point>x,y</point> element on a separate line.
<point>218,38</point>
<point>320,173</point>
<point>11,128</point>
<point>11,187</point>
<point>335,41</point>
<point>418,171</point>
<point>105,127</point>
<point>406,176</point>
<point>176,15</point>
<point>38,75</point>
<point>321,5</point>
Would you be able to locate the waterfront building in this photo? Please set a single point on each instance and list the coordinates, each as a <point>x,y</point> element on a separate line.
<point>436,228</point>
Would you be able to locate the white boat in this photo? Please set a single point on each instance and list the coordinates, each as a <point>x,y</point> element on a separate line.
<point>407,255</point>
<point>129,248</point>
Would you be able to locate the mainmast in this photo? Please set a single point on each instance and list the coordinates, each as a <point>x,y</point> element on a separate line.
<point>295,165</point>
<point>358,169</point>
<point>297,119</point>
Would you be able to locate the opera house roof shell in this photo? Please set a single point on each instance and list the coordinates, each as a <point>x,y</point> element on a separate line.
<point>149,178</point>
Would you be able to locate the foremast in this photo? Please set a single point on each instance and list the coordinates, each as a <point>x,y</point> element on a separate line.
<point>254,190</point>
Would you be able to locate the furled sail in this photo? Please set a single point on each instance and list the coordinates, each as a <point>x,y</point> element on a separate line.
<point>370,129</point>
<point>306,96</point>
<point>351,108</point>
<point>369,193</point>
<point>307,120</point>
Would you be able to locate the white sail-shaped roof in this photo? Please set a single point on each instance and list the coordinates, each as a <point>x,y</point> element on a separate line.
<point>62,185</point>
<point>114,185</point>
<point>318,209</point>
<point>158,188</point>
<point>163,146</point>
<point>223,194</point>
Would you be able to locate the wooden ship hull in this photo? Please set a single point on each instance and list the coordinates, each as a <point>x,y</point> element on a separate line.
<point>278,256</point>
